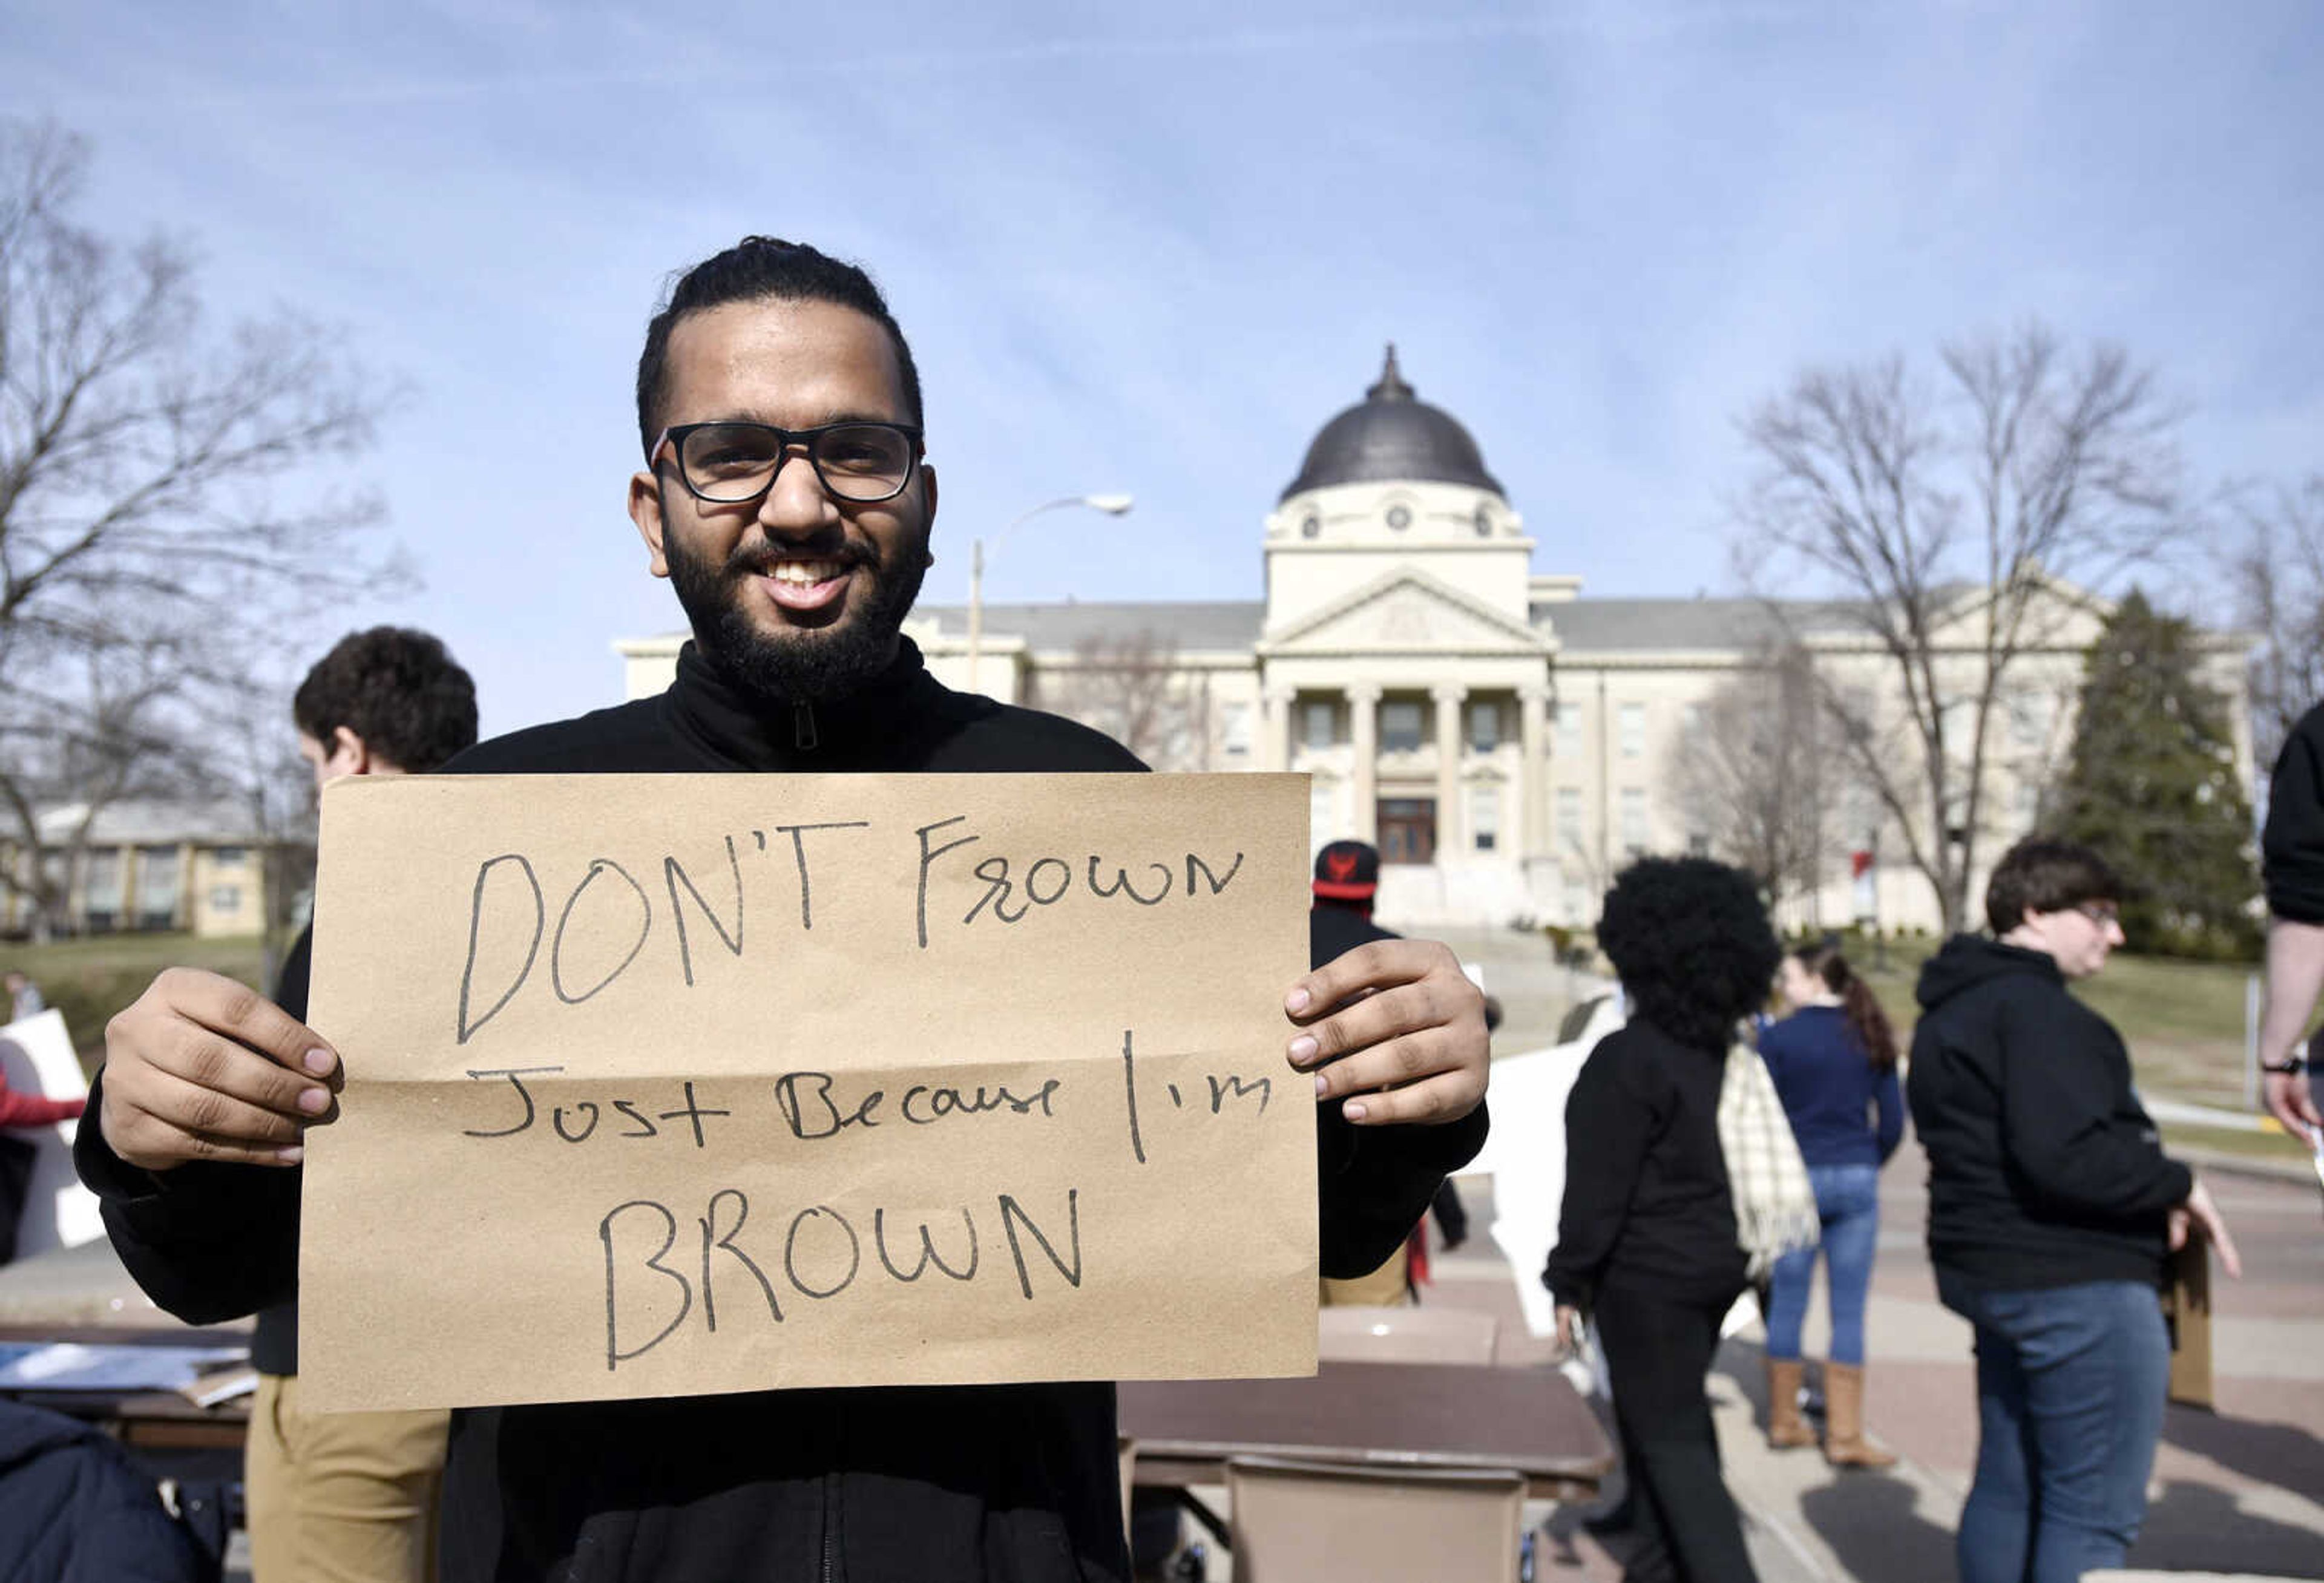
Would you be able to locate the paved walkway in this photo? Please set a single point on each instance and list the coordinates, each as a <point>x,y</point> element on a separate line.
<point>2238,1490</point>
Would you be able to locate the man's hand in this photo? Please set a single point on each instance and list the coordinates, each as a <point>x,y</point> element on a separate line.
<point>2295,978</point>
<point>1567,1331</point>
<point>202,1068</point>
<point>1395,1024</point>
<point>2292,1100</point>
<point>2201,1213</point>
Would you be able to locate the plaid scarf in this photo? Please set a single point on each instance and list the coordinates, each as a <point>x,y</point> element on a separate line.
<point>1774,1207</point>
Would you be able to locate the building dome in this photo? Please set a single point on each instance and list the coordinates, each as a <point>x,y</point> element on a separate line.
<point>1393,437</point>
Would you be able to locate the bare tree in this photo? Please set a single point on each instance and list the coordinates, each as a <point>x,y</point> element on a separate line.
<point>1945,514</point>
<point>1756,777</point>
<point>1128,686</point>
<point>2278,574</point>
<point>147,554</point>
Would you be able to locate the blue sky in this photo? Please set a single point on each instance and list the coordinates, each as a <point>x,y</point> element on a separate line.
<point>1153,250</point>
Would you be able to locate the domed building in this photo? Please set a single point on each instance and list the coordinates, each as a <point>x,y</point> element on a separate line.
<point>1505,742</point>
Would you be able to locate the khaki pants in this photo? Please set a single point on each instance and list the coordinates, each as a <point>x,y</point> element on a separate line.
<point>1389,1287</point>
<point>340,1497</point>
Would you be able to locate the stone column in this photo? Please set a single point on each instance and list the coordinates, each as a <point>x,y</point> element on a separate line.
<point>1452,819</point>
<point>1363,732</point>
<point>1533,771</point>
<point>1275,716</point>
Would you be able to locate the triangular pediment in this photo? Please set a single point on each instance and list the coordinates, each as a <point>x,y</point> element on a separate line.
<point>1404,611</point>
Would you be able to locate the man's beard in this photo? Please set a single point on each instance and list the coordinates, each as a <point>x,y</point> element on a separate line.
<point>814,664</point>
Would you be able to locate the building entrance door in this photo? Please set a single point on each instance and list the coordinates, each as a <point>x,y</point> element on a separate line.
<point>1408,830</point>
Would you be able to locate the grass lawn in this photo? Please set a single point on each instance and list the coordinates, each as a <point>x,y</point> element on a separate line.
<point>90,979</point>
<point>2183,1020</point>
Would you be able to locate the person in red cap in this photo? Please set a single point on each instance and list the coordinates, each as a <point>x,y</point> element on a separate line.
<point>1347,877</point>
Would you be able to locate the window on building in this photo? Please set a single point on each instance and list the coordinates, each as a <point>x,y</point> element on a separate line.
<point>1484,724</point>
<point>1401,723</point>
<point>157,887</point>
<point>2029,720</point>
<point>228,857</point>
<point>1318,722</point>
<point>225,898</point>
<point>1569,818</point>
<point>1234,731</point>
<point>1630,723</point>
<point>1633,821</point>
<point>1565,737</point>
<point>1485,817</point>
<point>101,880</point>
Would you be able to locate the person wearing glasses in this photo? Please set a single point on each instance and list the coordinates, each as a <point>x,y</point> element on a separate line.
<point>2051,1212</point>
<point>786,496</point>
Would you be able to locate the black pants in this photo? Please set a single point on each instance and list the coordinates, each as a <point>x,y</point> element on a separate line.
<point>1657,1351</point>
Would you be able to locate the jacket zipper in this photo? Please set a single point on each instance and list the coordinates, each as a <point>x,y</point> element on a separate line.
<point>803,726</point>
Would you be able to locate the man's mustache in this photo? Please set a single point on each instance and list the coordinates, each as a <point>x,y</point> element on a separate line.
<point>757,559</point>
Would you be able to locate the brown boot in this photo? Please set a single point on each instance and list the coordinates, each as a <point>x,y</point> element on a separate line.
<point>1786,1427</point>
<point>1844,1445</point>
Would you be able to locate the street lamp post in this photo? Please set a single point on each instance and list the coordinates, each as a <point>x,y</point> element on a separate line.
<point>1113,505</point>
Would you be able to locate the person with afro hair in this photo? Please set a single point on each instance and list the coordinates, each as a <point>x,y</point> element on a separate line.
<point>1647,1242</point>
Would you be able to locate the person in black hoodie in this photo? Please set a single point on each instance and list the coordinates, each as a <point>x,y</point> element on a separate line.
<point>1647,1238</point>
<point>2052,1207</point>
<point>2292,848</point>
<point>351,1496</point>
<point>785,496</point>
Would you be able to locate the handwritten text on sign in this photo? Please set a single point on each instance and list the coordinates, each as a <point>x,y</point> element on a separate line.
<point>674,1084</point>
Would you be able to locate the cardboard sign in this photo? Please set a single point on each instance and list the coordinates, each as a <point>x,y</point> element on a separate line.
<point>661,1085</point>
<point>2187,1310</point>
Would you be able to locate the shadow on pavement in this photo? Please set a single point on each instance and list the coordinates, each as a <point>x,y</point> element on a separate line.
<point>1871,1523</point>
<point>1744,1362</point>
<point>2197,1528</point>
<point>2283,1454</point>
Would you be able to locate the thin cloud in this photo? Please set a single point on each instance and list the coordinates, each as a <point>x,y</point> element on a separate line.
<point>1644,25</point>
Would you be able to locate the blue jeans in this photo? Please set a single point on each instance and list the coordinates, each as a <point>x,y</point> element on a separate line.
<point>2070,1381</point>
<point>1847,1201</point>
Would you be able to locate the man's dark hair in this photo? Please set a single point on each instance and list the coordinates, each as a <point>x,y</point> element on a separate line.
<point>754,269</point>
<point>1691,941</point>
<point>399,690</point>
<point>2042,874</point>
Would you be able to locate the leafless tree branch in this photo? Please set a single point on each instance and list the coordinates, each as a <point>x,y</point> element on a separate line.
<point>157,523</point>
<point>1944,516</point>
<point>2277,572</point>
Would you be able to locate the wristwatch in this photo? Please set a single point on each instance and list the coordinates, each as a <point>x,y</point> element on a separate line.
<point>2292,1066</point>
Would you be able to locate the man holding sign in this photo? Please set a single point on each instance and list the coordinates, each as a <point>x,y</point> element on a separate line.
<point>786,496</point>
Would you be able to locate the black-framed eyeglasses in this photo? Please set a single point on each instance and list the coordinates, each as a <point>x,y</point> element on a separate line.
<point>2100,913</point>
<point>733,463</point>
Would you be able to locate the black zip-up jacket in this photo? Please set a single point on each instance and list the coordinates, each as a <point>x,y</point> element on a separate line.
<point>2043,1168</point>
<point>1013,1484</point>
<point>2293,845</point>
<point>1647,1207</point>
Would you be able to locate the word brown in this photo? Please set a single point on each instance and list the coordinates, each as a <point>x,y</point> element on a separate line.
<point>821,1257</point>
